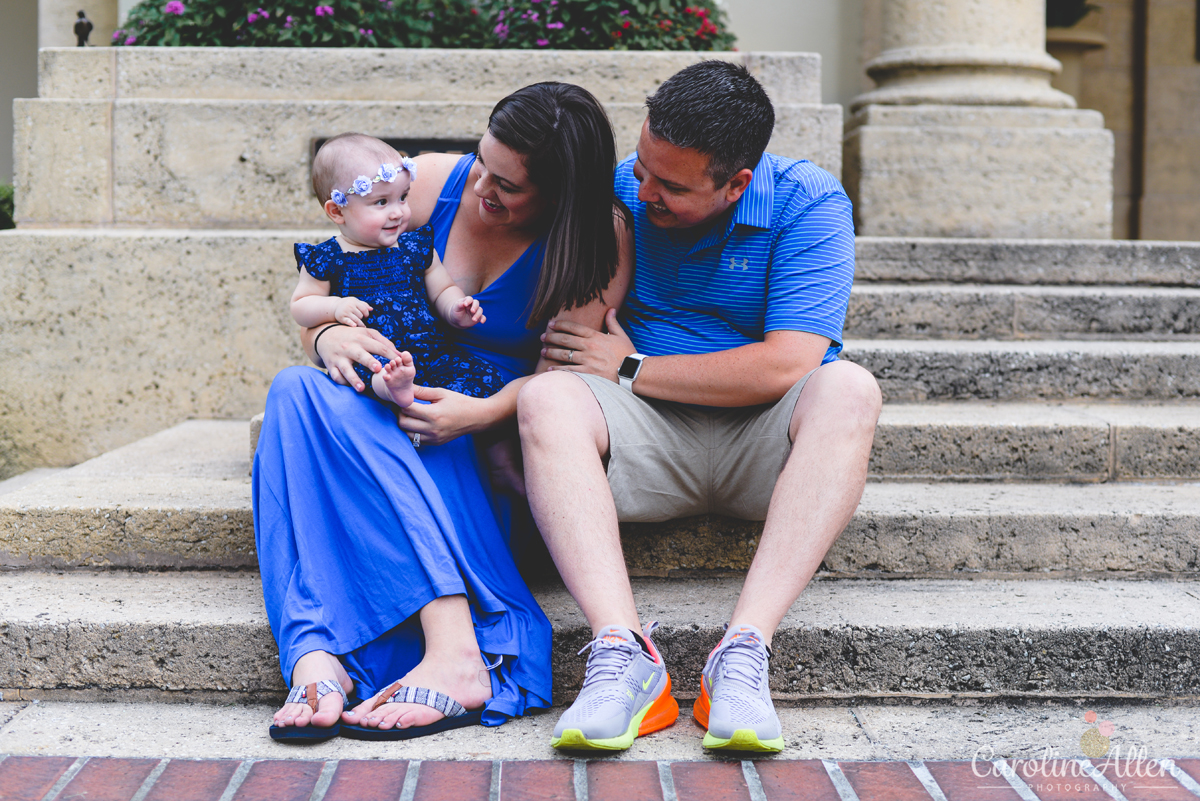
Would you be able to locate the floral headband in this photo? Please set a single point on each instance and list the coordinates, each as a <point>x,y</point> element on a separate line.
<point>362,184</point>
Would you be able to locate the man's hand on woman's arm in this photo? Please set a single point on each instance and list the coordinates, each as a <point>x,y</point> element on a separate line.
<point>341,346</point>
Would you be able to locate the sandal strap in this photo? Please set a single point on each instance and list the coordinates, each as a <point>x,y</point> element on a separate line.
<point>399,694</point>
<point>312,694</point>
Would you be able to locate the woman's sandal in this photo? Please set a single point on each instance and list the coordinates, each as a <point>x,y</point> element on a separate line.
<point>456,714</point>
<point>311,694</point>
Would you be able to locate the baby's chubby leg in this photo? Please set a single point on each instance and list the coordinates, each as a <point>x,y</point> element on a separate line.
<point>394,382</point>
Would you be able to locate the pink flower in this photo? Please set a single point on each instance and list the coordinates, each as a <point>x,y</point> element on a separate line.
<point>323,11</point>
<point>501,31</point>
<point>543,42</point>
<point>252,17</point>
<point>117,35</point>
<point>555,25</point>
<point>624,13</point>
<point>288,23</point>
<point>174,7</point>
<point>131,40</point>
<point>365,32</point>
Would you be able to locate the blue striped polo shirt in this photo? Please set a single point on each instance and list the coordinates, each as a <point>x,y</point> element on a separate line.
<point>784,260</point>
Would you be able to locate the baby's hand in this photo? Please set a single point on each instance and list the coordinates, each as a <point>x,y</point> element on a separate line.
<point>466,313</point>
<point>351,311</point>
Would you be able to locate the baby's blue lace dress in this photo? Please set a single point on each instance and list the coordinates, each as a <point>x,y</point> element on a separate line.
<point>392,281</point>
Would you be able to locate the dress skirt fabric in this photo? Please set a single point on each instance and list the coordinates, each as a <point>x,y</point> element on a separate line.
<point>356,531</point>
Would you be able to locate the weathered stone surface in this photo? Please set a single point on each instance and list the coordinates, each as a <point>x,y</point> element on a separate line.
<point>177,499</point>
<point>223,137</point>
<point>245,73</point>
<point>1025,261</point>
<point>63,162</point>
<point>967,441</point>
<point>939,529</point>
<point>989,311</point>
<point>1048,638</point>
<point>970,171</point>
<point>918,370</point>
<point>110,336</point>
<point>181,498</point>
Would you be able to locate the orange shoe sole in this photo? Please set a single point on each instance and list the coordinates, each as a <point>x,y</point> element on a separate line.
<point>702,706</point>
<point>662,713</point>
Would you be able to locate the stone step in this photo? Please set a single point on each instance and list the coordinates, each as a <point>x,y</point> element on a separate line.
<point>932,729</point>
<point>990,311</point>
<point>1028,261</point>
<point>920,370</point>
<point>204,636</point>
<point>181,499</point>
<point>188,353</point>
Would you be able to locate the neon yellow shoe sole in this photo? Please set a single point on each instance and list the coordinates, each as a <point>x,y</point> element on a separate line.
<point>743,740</point>
<point>658,714</point>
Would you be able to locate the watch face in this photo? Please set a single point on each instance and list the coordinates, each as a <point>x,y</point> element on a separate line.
<point>629,367</point>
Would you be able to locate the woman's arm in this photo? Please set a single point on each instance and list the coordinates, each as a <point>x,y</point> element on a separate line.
<point>450,414</point>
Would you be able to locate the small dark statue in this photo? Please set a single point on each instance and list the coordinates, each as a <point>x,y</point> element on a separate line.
<point>83,29</point>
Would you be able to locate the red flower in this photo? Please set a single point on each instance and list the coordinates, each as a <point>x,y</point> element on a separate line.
<point>616,34</point>
<point>627,24</point>
<point>474,12</point>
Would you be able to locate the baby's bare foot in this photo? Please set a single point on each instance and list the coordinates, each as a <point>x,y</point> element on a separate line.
<point>396,380</point>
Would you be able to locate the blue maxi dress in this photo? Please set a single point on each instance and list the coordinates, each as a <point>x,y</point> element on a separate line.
<point>356,530</point>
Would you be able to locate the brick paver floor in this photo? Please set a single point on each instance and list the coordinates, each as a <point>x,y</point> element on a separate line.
<point>29,778</point>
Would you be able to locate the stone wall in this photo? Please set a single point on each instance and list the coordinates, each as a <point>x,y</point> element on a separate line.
<point>222,138</point>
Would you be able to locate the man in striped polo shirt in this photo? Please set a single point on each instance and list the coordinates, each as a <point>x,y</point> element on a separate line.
<point>716,389</point>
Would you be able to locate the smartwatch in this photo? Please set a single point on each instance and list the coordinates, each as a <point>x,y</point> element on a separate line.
<point>629,370</point>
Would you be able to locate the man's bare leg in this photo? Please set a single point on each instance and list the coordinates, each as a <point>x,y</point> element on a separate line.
<point>832,428</point>
<point>563,438</point>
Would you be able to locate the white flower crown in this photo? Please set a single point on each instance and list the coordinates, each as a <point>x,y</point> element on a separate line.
<point>362,184</point>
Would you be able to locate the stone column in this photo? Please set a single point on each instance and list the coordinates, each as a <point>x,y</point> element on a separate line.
<point>964,136</point>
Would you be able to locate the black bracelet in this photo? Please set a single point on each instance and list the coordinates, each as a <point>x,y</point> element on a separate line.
<point>318,339</point>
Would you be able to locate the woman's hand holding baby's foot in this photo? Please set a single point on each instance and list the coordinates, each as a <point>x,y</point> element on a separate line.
<point>397,380</point>
<point>466,313</point>
<point>313,667</point>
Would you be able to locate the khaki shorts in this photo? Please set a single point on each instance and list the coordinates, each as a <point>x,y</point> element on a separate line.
<point>669,460</point>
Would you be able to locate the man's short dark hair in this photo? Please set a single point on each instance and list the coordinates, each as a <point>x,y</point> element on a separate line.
<point>717,108</point>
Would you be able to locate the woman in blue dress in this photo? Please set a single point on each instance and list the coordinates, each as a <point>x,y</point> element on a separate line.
<point>385,573</point>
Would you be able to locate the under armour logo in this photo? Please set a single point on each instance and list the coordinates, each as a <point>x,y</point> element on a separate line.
<point>733,264</point>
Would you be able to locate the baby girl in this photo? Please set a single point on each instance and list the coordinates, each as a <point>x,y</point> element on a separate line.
<point>374,274</point>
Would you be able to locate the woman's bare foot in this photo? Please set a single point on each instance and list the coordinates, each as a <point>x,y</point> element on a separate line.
<point>395,381</point>
<point>466,681</point>
<point>312,667</point>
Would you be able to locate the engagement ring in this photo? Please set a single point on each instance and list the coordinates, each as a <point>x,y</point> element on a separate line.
<point>416,440</point>
<point>571,356</point>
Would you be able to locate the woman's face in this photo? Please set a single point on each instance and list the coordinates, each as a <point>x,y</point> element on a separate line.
<point>506,195</point>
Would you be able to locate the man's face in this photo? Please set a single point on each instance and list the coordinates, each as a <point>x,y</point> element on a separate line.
<point>675,184</point>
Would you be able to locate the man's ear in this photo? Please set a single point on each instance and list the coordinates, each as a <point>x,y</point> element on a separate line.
<point>334,213</point>
<point>737,184</point>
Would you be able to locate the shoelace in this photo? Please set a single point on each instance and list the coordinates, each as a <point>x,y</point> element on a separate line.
<point>744,661</point>
<point>609,658</point>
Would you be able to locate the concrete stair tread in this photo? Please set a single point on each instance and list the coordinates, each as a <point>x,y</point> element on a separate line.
<point>203,632</point>
<point>970,499</point>
<point>1053,347</point>
<point>1027,261</point>
<point>199,464</point>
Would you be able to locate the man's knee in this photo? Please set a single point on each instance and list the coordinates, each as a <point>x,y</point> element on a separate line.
<point>554,399</point>
<point>842,391</point>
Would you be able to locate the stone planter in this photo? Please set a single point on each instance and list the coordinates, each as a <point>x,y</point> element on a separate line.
<point>223,137</point>
<point>1068,46</point>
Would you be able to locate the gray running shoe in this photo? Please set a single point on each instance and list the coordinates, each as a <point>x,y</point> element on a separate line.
<point>735,696</point>
<point>625,694</point>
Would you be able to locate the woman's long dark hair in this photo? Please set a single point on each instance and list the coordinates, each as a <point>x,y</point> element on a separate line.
<point>565,137</point>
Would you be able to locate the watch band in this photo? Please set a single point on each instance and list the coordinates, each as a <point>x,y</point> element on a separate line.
<point>628,372</point>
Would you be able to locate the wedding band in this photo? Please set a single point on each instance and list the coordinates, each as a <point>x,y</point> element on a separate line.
<point>571,356</point>
<point>416,440</point>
